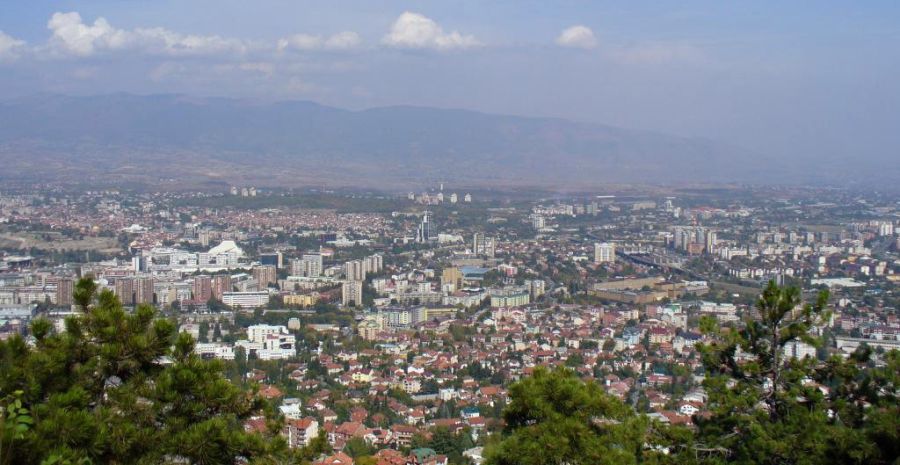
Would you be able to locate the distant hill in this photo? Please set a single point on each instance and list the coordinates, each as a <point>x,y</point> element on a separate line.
<point>142,138</point>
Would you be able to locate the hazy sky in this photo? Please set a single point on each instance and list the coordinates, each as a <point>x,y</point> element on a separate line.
<point>811,79</point>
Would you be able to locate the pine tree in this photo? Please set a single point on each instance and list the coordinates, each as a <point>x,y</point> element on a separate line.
<point>766,408</point>
<point>555,418</point>
<point>115,387</point>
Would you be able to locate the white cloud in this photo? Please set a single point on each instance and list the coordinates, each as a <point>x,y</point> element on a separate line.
<point>72,36</point>
<point>342,41</point>
<point>412,30</point>
<point>10,47</point>
<point>345,40</point>
<point>577,37</point>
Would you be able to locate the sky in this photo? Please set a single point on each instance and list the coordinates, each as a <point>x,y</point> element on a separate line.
<point>806,79</point>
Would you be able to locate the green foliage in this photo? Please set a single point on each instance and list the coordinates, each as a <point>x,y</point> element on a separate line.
<point>555,418</point>
<point>116,387</point>
<point>15,420</point>
<point>317,446</point>
<point>444,442</point>
<point>767,409</point>
<point>358,447</point>
<point>763,408</point>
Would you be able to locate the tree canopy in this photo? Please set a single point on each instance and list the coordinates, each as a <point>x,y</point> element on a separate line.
<point>124,387</point>
<point>118,387</point>
<point>764,406</point>
<point>556,418</point>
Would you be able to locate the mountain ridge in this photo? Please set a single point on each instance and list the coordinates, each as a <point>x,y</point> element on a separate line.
<point>293,142</point>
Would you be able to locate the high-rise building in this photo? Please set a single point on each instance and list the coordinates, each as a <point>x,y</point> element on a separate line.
<point>275,259</point>
<point>166,293</point>
<point>65,289</point>
<point>810,238</point>
<point>202,288</point>
<point>477,241</point>
<point>537,288</point>
<point>124,289</point>
<point>143,290</point>
<point>424,233</point>
<point>265,275</point>
<point>139,263</point>
<point>482,245</point>
<point>203,237</point>
<point>697,238</point>
<point>604,252</point>
<point>373,263</point>
<point>711,240</point>
<point>221,283</point>
<point>298,267</point>
<point>354,270</point>
<point>310,265</point>
<point>133,291</point>
<point>452,275</point>
<point>352,293</point>
<point>314,264</point>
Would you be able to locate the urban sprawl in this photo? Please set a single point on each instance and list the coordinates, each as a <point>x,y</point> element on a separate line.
<point>379,319</point>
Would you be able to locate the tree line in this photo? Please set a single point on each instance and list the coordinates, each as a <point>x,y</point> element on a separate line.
<point>119,387</point>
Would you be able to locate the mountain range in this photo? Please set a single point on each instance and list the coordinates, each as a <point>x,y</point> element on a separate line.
<point>188,140</point>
